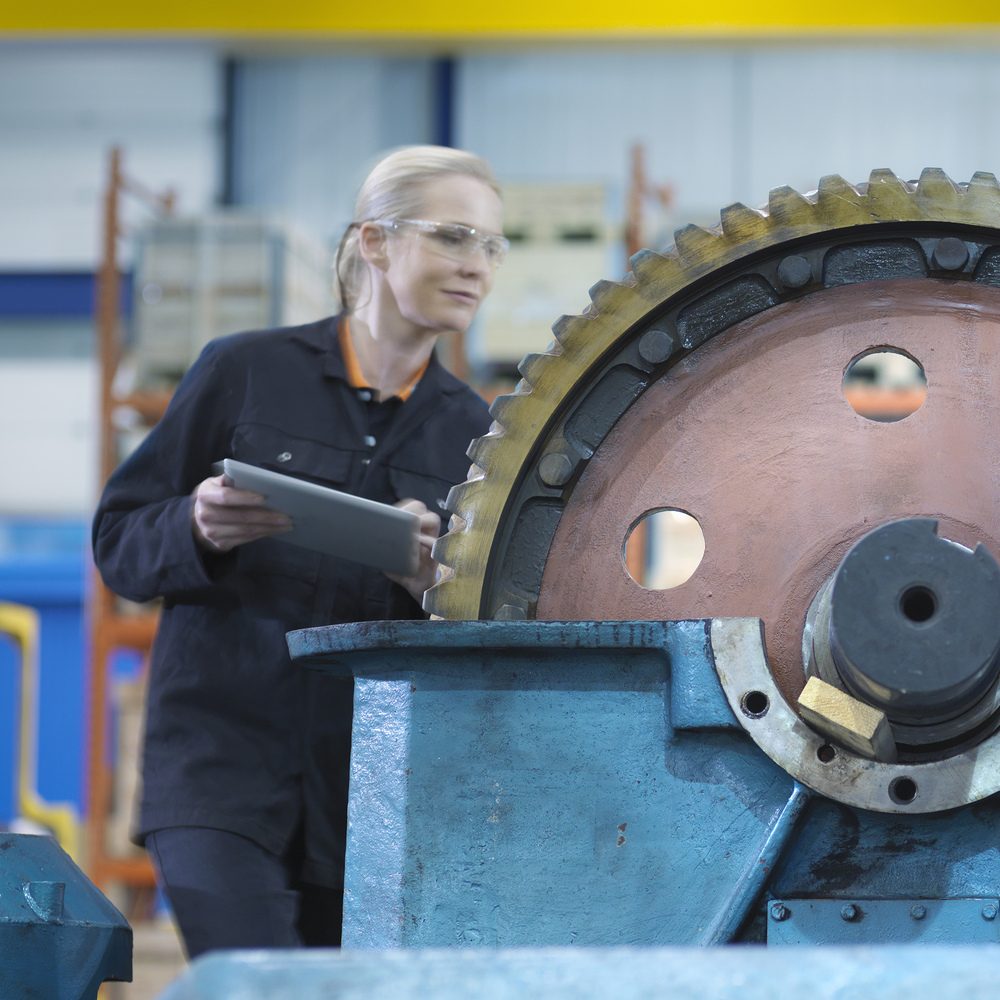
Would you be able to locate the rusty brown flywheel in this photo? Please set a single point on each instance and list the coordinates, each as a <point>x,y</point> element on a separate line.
<point>710,381</point>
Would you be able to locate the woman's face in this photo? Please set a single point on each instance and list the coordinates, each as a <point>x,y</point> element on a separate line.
<point>432,289</point>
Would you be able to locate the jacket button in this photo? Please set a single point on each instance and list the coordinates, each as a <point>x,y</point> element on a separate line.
<point>285,456</point>
<point>369,441</point>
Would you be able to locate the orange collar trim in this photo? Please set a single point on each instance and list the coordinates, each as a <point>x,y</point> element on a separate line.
<point>355,378</point>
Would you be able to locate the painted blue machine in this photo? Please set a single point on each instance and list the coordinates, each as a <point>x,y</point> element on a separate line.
<point>59,937</point>
<point>552,783</point>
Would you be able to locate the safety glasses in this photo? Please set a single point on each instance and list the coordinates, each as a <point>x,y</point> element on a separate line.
<point>453,240</point>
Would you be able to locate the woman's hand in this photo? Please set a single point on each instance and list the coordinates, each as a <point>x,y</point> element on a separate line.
<point>223,517</point>
<point>430,527</point>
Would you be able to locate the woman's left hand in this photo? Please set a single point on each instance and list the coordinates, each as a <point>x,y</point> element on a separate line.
<point>430,527</point>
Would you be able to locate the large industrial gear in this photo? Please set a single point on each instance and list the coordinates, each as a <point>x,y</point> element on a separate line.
<point>709,381</point>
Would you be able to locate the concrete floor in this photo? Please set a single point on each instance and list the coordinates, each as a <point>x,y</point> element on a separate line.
<point>157,960</point>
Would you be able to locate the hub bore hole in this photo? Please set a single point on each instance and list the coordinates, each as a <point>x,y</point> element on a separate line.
<point>664,548</point>
<point>902,791</point>
<point>918,603</point>
<point>754,704</point>
<point>826,753</point>
<point>885,385</point>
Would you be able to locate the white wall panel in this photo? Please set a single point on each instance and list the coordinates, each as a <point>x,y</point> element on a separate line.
<point>576,115</point>
<point>62,106</point>
<point>307,131</point>
<point>48,443</point>
<point>815,111</point>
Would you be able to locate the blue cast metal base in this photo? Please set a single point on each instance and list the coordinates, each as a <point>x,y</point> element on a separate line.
<point>59,937</point>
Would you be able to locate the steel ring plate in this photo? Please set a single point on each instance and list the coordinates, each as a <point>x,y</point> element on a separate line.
<point>741,663</point>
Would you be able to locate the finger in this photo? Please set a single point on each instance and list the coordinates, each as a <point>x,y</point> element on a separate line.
<point>414,506</point>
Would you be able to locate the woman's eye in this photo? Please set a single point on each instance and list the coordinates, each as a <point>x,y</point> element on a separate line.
<point>450,237</point>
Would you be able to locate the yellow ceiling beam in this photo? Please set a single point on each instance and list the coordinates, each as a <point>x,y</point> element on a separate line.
<point>457,18</point>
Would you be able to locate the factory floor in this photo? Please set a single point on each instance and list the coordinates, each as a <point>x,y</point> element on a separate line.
<point>157,960</point>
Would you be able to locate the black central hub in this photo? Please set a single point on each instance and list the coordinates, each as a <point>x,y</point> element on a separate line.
<point>915,622</point>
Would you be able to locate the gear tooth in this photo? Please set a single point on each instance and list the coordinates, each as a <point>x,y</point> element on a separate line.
<point>479,454</point>
<point>534,368</point>
<point>786,205</point>
<point>983,196</point>
<point>882,176</point>
<point>499,410</point>
<point>742,223</point>
<point>841,204</point>
<point>566,328</point>
<point>646,263</point>
<point>983,180</point>
<point>694,243</point>
<point>937,193</point>
<point>935,183</point>
<point>605,293</point>
<point>891,198</point>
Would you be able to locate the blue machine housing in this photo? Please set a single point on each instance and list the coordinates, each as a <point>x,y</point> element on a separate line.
<point>534,783</point>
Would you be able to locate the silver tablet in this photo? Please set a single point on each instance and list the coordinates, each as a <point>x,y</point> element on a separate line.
<point>339,524</point>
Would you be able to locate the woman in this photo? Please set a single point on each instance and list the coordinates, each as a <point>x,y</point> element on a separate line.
<point>246,755</point>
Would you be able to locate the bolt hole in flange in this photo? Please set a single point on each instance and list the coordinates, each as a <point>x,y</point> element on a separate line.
<point>918,604</point>
<point>902,791</point>
<point>826,753</point>
<point>885,385</point>
<point>754,704</point>
<point>664,548</point>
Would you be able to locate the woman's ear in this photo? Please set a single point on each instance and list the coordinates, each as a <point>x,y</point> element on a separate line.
<point>372,243</point>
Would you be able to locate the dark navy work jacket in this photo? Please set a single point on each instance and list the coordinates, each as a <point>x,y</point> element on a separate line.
<point>237,736</point>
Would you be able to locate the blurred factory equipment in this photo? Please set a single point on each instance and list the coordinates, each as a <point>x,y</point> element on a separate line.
<point>199,278</point>
<point>22,625</point>
<point>797,743</point>
<point>558,232</point>
<point>59,937</point>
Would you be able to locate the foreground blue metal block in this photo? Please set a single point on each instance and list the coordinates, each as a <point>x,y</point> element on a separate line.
<point>739,973</point>
<point>59,937</point>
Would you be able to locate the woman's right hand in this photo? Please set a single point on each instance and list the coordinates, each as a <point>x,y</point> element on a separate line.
<point>223,517</point>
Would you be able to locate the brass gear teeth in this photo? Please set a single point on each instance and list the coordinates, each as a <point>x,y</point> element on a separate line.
<point>553,378</point>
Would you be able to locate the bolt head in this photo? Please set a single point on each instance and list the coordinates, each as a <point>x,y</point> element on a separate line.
<point>918,912</point>
<point>989,912</point>
<point>849,912</point>
<point>779,911</point>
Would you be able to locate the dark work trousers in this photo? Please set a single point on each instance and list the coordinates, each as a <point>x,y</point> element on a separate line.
<point>228,892</point>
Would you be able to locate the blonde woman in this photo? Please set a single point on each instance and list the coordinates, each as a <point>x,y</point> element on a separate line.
<point>246,755</point>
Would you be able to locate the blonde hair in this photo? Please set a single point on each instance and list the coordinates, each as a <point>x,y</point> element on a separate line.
<point>393,190</point>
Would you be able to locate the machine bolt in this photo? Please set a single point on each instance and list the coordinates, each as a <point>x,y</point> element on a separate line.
<point>989,911</point>
<point>951,254</point>
<point>655,346</point>
<point>849,912</point>
<point>918,912</point>
<point>779,911</point>
<point>794,271</point>
<point>555,469</point>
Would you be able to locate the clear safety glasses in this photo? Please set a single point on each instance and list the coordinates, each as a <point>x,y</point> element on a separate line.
<point>454,240</point>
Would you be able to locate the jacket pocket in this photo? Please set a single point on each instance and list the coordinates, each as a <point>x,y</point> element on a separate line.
<point>272,448</point>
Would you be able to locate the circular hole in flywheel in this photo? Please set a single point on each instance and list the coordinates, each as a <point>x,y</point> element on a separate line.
<point>885,385</point>
<point>825,753</point>
<point>754,704</point>
<point>902,791</point>
<point>664,548</point>
<point>918,603</point>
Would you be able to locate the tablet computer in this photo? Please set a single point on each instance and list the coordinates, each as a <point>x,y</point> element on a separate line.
<point>339,524</point>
